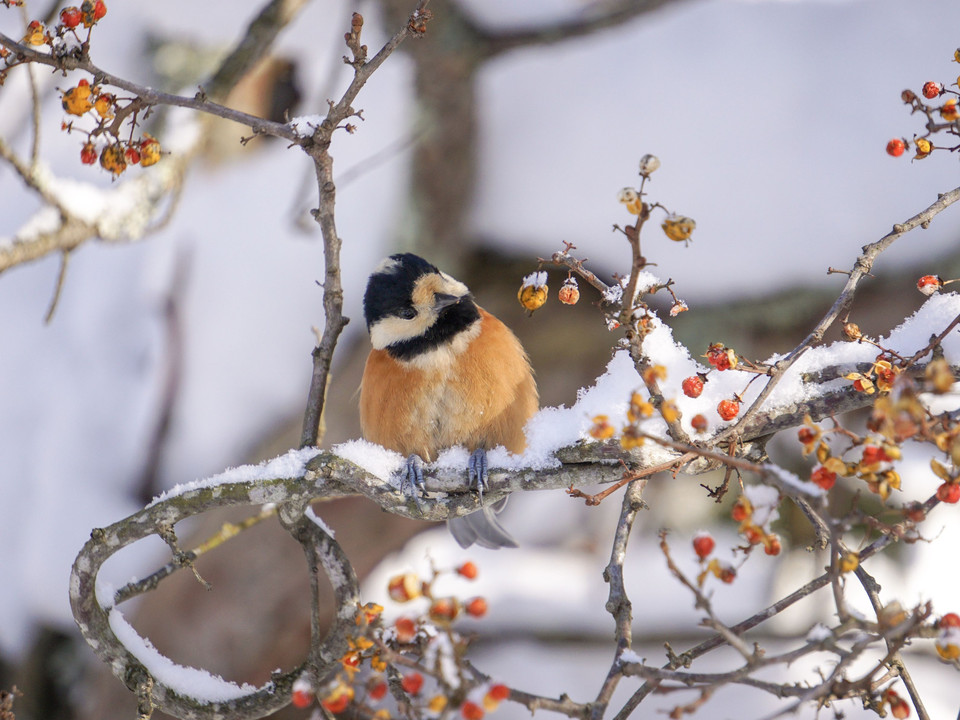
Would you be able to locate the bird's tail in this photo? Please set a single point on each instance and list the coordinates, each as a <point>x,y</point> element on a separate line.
<point>482,528</point>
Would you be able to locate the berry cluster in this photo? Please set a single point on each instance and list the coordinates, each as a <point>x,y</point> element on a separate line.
<point>941,117</point>
<point>703,545</point>
<point>112,140</point>
<point>425,647</point>
<point>115,153</point>
<point>64,37</point>
<point>898,415</point>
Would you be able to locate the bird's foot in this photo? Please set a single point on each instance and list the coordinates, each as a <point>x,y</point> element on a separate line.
<point>477,471</point>
<point>411,483</point>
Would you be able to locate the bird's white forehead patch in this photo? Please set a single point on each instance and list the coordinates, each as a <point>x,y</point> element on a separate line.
<point>386,266</point>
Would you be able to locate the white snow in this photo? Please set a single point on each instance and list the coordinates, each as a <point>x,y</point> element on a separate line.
<point>291,464</point>
<point>818,633</point>
<point>306,125</point>
<point>373,458</point>
<point>534,279</point>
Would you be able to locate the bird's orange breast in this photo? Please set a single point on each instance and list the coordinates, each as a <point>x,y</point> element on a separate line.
<point>479,397</point>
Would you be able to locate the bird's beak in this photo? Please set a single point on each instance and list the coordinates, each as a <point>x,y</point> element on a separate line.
<point>442,300</point>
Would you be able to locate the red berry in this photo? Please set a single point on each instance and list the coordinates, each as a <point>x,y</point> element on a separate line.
<point>929,284</point>
<point>378,691</point>
<point>896,147</point>
<point>950,620</point>
<point>806,435</point>
<point>949,493</point>
<point>823,477</point>
<point>502,692</point>
<point>99,10</point>
<point>471,711</point>
<point>728,409</point>
<point>722,358</point>
<point>301,699</point>
<point>302,693</point>
<point>412,683</point>
<point>753,535</point>
<point>477,607</point>
<point>931,89</point>
<point>406,629</point>
<point>772,545</point>
<point>873,454</point>
<point>703,545</point>
<point>699,422</point>
<point>338,702</point>
<point>70,17</point>
<point>88,155</point>
<point>444,609</point>
<point>468,570</point>
<point>692,386</point>
<point>132,155</point>
<point>739,512</point>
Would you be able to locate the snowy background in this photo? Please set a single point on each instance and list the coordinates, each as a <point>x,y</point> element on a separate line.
<point>770,118</point>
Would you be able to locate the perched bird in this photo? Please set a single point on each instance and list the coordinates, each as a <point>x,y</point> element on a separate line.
<point>442,372</point>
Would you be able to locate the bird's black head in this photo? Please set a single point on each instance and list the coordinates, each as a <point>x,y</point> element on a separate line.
<point>411,307</point>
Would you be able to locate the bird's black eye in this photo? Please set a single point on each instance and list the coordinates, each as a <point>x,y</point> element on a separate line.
<point>407,313</point>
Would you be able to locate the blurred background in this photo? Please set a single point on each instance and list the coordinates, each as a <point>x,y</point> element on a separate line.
<point>503,133</point>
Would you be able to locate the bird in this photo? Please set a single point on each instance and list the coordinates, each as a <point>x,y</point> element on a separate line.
<point>443,372</point>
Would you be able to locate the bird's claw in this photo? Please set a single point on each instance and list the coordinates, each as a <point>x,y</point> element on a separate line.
<point>411,482</point>
<point>478,471</point>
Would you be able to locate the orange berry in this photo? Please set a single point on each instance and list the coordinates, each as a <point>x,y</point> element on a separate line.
<point>569,292</point>
<point>476,607</point>
<point>728,409</point>
<point>692,386</point>
<point>444,609</point>
<point>896,147</point>
<point>739,513</point>
<point>699,422</point>
<point>149,151</point>
<point>468,570</point>
<point>753,535</point>
<point>949,493</point>
<point>823,477</point>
